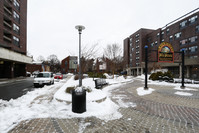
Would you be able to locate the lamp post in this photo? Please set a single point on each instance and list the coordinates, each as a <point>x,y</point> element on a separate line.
<point>146,67</point>
<point>80,28</point>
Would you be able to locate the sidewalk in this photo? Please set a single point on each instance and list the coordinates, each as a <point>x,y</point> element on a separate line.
<point>8,80</point>
<point>161,111</point>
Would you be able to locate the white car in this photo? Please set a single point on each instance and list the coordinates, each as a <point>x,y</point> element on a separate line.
<point>44,78</point>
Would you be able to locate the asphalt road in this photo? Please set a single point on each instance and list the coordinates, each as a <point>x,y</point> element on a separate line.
<point>15,88</point>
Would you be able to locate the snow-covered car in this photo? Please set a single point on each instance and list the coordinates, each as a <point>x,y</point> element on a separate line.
<point>44,78</point>
<point>58,76</point>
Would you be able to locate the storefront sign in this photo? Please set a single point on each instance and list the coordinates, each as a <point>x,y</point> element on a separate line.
<point>165,52</point>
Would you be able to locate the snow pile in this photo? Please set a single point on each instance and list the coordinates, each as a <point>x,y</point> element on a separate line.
<point>26,107</point>
<point>119,79</point>
<point>79,89</point>
<point>141,91</point>
<point>108,76</point>
<point>185,89</point>
<point>183,93</point>
<point>159,70</point>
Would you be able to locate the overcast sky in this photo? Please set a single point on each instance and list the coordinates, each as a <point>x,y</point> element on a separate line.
<point>51,23</point>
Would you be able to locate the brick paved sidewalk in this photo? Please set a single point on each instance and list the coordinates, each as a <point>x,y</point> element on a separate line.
<point>161,111</point>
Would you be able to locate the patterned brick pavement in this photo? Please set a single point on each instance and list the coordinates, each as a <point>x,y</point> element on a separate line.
<point>161,112</point>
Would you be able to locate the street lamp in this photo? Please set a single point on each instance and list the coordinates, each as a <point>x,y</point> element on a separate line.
<point>80,28</point>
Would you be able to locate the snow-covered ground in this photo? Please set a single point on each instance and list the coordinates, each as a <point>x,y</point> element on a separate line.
<point>43,103</point>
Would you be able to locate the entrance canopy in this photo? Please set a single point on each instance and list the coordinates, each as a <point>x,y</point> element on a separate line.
<point>6,54</point>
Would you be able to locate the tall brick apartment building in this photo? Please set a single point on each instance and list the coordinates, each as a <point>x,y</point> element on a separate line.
<point>13,47</point>
<point>182,33</point>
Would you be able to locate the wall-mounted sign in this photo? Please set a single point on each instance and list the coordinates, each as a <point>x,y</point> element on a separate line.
<point>165,52</point>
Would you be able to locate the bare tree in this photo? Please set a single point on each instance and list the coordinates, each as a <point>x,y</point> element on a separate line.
<point>40,58</point>
<point>114,54</point>
<point>88,54</point>
<point>54,63</point>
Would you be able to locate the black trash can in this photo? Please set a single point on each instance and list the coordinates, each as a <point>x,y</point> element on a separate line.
<point>79,101</point>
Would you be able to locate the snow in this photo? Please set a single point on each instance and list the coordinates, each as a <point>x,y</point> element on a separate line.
<point>141,91</point>
<point>39,104</point>
<point>53,101</point>
<point>183,93</point>
<point>185,89</point>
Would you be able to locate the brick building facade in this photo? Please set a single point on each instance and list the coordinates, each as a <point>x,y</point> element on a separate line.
<point>69,65</point>
<point>182,33</point>
<point>13,47</point>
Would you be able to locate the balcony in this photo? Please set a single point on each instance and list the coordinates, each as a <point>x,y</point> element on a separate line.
<point>8,3</point>
<point>7,38</point>
<point>7,25</point>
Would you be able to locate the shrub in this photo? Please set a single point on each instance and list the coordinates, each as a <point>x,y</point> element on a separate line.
<point>96,75</point>
<point>77,77</point>
<point>160,75</point>
<point>88,89</point>
<point>152,76</point>
<point>156,76</point>
<point>168,74</point>
<point>69,89</point>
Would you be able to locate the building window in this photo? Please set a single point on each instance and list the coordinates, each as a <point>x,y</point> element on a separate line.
<point>177,35</point>
<point>16,16</point>
<point>137,52</point>
<point>167,31</point>
<point>156,43</point>
<point>137,41</point>
<point>16,29</point>
<point>183,24</point>
<point>158,34</point>
<point>137,64</point>
<point>197,28</point>
<point>149,39</point>
<point>152,44</point>
<point>137,35</point>
<point>131,44</point>
<point>132,49</point>
<point>170,38</point>
<point>193,19</point>
<point>183,42</point>
<point>16,41</point>
<point>193,49</point>
<point>162,40</point>
<point>130,40</point>
<point>193,57</point>
<point>16,4</point>
<point>185,50</point>
<point>193,39</point>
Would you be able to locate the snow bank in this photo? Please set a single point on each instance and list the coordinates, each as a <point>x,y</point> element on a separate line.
<point>183,93</point>
<point>141,91</point>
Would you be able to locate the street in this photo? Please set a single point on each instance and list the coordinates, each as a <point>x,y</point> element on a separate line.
<point>16,88</point>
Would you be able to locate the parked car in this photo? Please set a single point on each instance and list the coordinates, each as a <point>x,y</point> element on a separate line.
<point>58,76</point>
<point>35,73</point>
<point>44,78</point>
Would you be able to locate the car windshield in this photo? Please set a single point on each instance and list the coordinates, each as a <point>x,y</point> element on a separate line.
<point>43,75</point>
<point>58,73</point>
